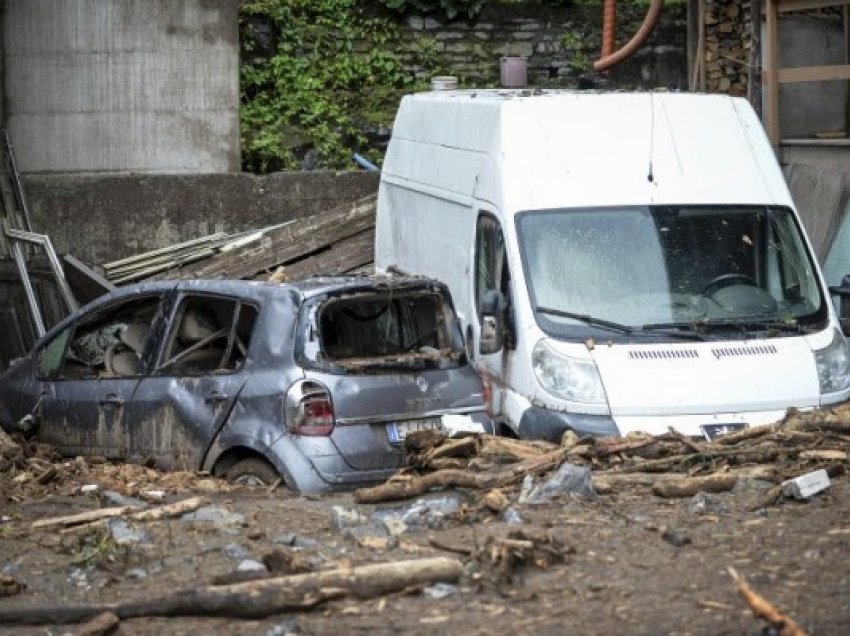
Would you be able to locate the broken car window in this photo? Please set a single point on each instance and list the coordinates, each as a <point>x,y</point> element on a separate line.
<point>402,330</point>
<point>108,343</point>
<point>210,335</point>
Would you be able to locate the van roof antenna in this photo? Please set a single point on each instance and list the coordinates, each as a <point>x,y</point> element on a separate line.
<point>650,176</point>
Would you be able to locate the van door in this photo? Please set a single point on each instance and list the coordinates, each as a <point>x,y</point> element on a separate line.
<point>491,273</point>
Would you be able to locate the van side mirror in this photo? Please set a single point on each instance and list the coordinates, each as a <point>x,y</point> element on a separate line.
<point>492,322</point>
<point>843,292</point>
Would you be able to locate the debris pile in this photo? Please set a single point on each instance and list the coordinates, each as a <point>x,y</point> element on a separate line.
<point>340,240</point>
<point>671,465</point>
<point>30,469</point>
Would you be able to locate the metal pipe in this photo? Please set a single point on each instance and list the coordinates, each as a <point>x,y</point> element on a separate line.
<point>629,48</point>
<point>364,163</point>
<point>609,21</point>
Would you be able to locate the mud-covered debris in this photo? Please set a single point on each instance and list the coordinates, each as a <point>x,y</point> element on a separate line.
<point>510,554</point>
<point>123,534</point>
<point>251,565</point>
<point>287,561</point>
<point>807,485</point>
<point>569,479</point>
<point>675,537</point>
<point>496,500</point>
<point>347,518</point>
<point>9,586</point>
<point>439,590</point>
<point>219,517</point>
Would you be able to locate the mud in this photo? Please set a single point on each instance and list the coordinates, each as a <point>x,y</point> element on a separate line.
<point>622,563</point>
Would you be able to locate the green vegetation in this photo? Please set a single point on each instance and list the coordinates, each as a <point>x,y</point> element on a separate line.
<point>331,74</point>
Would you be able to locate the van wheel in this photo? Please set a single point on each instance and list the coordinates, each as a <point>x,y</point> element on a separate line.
<point>252,472</point>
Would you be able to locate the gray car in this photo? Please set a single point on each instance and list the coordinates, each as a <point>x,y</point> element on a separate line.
<point>315,382</point>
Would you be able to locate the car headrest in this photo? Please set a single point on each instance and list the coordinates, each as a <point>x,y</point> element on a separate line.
<point>134,336</point>
<point>195,326</point>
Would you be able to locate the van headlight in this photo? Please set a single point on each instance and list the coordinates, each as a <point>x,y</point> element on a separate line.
<point>833,362</point>
<point>568,378</point>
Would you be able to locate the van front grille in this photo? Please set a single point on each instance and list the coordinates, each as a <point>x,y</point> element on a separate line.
<point>663,354</point>
<point>752,350</point>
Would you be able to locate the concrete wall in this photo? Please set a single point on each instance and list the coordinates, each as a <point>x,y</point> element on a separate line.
<point>104,218</point>
<point>122,85</point>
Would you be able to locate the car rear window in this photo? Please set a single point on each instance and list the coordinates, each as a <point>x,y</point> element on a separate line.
<point>388,330</point>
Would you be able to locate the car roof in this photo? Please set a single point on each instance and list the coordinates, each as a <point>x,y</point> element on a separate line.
<point>313,286</point>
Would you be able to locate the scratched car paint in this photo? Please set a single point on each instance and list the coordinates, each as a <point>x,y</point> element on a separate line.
<point>315,382</point>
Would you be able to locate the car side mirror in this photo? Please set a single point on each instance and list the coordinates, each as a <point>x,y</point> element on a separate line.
<point>843,292</point>
<point>492,322</point>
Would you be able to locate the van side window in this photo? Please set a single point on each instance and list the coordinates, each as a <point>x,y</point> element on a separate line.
<point>491,261</point>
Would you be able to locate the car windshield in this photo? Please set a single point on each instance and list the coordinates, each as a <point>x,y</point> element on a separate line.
<point>401,330</point>
<point>639,269</point>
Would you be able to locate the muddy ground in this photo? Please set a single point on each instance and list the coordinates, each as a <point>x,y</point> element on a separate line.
<point>623,563</point>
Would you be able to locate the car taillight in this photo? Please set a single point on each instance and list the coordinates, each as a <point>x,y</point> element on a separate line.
<point>309,409</point>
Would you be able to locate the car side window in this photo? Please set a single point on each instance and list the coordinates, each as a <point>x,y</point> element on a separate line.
<point>209,335</point>
<point>491,262</point>
<point>51,355</point>
<point>107,343</point>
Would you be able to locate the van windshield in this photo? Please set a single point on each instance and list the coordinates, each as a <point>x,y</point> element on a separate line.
<point>640,269</point>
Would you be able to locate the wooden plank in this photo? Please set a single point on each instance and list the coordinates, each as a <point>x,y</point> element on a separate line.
<point>814,74</point>
<point>288,243</point>
<point>344,256</point>
<point>786,6</point>
<point>771,86</point>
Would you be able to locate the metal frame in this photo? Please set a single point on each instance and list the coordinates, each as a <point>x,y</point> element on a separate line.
<point>16,238</point>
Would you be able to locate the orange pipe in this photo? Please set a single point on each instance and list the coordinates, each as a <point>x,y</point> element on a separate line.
<point>628,49</point>
<point>609,20</point>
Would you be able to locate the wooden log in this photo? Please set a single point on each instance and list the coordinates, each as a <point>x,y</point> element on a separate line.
<point>460,447</point>
<point>89,517</point>
<point>82,517</point>
<point>689,486</point>
<point>258,599</point>
<point>168,510</point>
<point>415,485</point>
<point>342,256</point>
<point>521,450</point>
<point>99,625</point>
<point>761,607</point>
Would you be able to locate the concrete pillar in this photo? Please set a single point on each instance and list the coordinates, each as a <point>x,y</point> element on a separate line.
<point>117,86</point>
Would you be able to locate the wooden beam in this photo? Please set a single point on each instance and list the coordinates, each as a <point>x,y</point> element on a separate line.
<point>771,85</point>
<point>814,74</point>
<point>786,6</point>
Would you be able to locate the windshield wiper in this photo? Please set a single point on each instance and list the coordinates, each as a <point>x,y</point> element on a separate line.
<point>587,319</point>
<point>686,330</point>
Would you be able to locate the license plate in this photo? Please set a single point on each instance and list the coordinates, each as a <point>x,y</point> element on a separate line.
<point>713,431</point>
<point>397,431</point>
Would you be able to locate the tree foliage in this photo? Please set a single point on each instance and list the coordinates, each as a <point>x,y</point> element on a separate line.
<point>329,76</point>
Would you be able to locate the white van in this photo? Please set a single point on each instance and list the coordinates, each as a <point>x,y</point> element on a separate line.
<point>619,261</point>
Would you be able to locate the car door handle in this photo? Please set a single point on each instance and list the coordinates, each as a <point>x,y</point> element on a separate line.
<point>215,396</point>
<point>112,400</point>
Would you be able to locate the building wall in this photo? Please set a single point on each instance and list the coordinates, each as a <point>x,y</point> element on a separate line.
<point>112,86</point>
<point>122,215</point>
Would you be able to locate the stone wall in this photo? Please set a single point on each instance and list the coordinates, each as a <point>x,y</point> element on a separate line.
<point>559,42</point>
<point>104,218</point>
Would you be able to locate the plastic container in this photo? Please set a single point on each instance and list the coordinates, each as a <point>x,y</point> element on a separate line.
<point>443,83</point>
<point>513,72</point>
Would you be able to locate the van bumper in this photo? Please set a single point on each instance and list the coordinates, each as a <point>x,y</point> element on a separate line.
<point>539,423</point>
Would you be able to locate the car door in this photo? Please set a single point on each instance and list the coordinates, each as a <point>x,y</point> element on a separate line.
<point>88,373</point>
<point>178,409</point>
<point>490,265</point>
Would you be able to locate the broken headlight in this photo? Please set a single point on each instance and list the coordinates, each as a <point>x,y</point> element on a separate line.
<point>568,378</point>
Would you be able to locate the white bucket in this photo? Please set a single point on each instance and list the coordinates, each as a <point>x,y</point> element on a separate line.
<point>443,83</point>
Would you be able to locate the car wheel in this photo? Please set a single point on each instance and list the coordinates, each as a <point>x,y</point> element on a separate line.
<point>252,472</point>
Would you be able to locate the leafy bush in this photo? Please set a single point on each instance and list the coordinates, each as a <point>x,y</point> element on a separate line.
<point>331,74</point>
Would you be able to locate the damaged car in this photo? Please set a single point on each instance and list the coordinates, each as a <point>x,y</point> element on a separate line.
<point>315,383</point>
